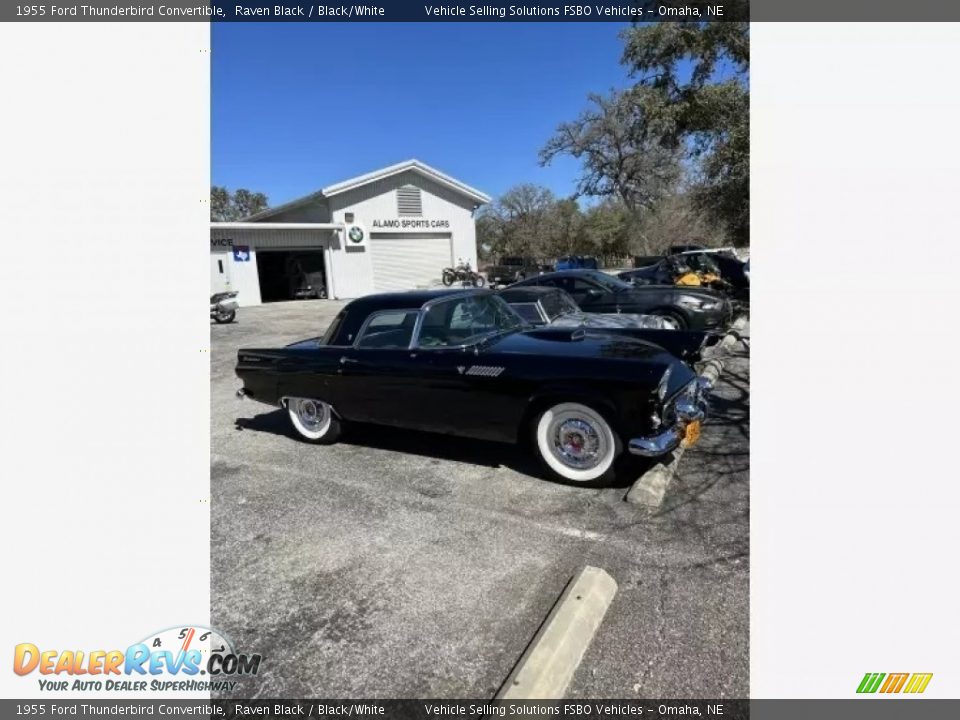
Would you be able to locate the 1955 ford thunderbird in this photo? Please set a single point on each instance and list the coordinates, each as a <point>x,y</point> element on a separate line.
<point>462,362</point>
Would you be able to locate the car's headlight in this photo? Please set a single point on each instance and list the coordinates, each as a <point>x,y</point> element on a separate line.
<point>695,304</point>
<point>662,387</point>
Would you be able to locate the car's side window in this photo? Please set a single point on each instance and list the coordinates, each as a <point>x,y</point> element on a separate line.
<point>387,329</point>
<point>580,288</point>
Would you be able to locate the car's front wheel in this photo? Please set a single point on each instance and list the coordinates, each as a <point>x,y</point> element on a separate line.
<point>313,420</point>
<point>576,444</point>
<point>679,322</point>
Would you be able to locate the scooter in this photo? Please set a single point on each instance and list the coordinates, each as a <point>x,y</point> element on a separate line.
<point>223,306</point>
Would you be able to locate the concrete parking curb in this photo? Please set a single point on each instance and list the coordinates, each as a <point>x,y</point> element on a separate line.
<point>651,487</point>
<point>549,662</point>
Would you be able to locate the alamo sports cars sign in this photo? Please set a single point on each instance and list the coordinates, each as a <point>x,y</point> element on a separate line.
<point>411,224</point>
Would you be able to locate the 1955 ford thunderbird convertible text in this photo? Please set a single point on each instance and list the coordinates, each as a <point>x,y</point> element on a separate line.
<point>462,362</point>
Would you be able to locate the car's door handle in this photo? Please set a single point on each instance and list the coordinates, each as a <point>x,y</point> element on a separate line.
<point>348,361</point>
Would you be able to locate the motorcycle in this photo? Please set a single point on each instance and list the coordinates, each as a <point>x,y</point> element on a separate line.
<point>462,273</point>
<point>223,306</point>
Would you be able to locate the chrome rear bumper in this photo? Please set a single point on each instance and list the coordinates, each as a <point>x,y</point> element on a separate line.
<point>690,407</point>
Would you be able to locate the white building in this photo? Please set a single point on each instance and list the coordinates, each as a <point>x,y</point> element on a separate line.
<point>392,229</point>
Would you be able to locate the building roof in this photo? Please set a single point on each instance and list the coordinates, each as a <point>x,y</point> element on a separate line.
<point>409,165</point>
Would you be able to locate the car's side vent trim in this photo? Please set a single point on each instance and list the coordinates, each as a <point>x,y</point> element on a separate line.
<point>484,370</point>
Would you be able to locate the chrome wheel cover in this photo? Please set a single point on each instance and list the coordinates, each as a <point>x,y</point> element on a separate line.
<point>312,414</point>
<point>576,441</point>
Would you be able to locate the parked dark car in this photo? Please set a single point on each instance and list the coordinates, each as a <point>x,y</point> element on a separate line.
<point>640,261</point>
<point>512,269</point>
<point>677,249</point>
<point>305,276</point>
<point>663,270</point>
<point>576,262</point>
<point>660,272</point>
<point>692,308</point>
<point>543,305</point>
<point>461,362</point>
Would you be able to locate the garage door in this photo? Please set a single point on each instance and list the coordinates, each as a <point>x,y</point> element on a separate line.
<point>404,263</point>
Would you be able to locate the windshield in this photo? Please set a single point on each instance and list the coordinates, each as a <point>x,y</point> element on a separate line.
<point>529,311</point>
<point>558,303</point>
<point>608,282</point>
<point>702,262</point>
<point>466,320</point>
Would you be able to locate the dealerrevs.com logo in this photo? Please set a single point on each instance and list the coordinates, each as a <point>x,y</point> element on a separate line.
<point>910,683</point>
<point>187,658</point>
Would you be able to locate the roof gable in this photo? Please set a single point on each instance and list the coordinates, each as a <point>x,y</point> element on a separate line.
<point>415,166</point>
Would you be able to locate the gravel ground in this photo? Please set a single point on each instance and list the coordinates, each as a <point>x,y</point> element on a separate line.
<point>405,564</point>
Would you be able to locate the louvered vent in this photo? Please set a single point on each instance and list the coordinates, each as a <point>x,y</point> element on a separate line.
<point>408,201</point>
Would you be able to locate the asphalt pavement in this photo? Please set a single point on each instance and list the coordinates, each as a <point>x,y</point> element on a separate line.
<point>406,564</point>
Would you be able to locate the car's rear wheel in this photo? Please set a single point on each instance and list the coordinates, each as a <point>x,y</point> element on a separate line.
<point>576,444</point>
<point>313,420</point>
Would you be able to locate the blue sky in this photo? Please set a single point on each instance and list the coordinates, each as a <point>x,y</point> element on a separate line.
<point>299,106</point>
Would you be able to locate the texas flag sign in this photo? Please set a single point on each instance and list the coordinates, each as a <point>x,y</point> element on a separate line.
<point>241,253</point>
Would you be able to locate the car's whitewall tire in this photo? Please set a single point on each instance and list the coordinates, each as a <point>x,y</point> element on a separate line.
<point>576,444</point>
<point>314,420</point>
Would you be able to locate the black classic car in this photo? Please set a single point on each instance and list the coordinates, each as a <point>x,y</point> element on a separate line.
<point>461,362</point>
<point>691,308</point>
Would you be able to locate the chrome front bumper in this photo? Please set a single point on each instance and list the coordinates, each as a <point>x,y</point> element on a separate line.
<point>690,407</point>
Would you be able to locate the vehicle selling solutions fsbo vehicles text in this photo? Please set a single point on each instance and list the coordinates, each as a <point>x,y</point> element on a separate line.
<point>582,11</point>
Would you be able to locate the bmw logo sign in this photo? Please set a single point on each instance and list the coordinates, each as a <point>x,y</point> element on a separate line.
<point>355,234</point>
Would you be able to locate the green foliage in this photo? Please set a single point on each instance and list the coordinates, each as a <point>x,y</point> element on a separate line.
<point>514,223</point>
<point>682,129</point>
<point>529,221</point>
<point>227,207</point>
<point>620,158</point>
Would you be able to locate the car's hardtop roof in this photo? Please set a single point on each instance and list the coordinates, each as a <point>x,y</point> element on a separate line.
<point>526,293</point>
<point>579,272</point>
<point>408,299</point>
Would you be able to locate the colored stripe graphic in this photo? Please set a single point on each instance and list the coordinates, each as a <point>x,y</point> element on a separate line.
<point>894,682</point>
<point>918,682</point>
<point>870,682</point>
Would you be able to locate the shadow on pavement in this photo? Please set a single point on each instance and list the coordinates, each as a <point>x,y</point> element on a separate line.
<point>519,458</point>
